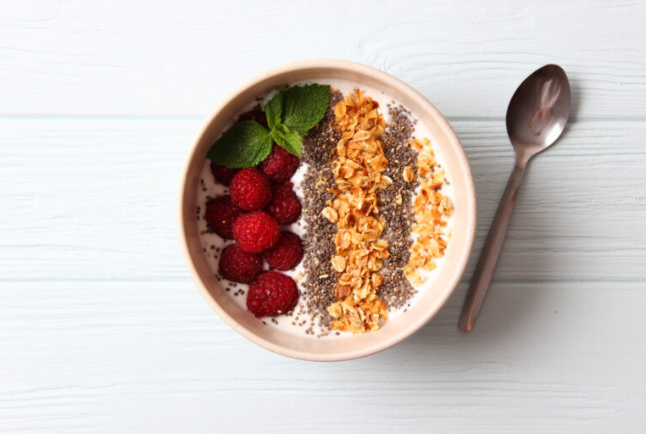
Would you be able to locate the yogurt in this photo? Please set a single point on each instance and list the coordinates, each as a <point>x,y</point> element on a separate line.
<point>213,245</point>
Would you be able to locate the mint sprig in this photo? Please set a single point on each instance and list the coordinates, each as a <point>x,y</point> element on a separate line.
<point>245,144</point>
<point>290,114</point>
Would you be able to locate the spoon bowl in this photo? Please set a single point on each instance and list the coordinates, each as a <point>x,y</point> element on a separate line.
<point>538,111</point>
<point>536,117</point>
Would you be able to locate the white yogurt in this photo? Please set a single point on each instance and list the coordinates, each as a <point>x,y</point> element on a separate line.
<point>209,189</point>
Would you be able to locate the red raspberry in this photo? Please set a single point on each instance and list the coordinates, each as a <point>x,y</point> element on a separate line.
<point>255,114</point>
<point>286,254</point>
<point>272,294</point>
<point>256,231</point>
<point>250,189</point>
<point>223,174</point>
<point>240,266</point>
<point>280,165</point>
<point>220,214</point>
<point>284,205</point>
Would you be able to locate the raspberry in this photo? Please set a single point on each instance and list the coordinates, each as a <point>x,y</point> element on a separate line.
<point>223,174</point>
<point>271,294</point>
<point>250,189</point>
<point>220,214</point>
<point>284,205</point>
<point>240,266</point>
<point>280,165</point>
<point>256,231</point>
<point>286,254</point>
<point>255,114</point>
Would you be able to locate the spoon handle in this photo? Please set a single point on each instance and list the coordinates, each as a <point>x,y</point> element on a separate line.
<point>490,252</point>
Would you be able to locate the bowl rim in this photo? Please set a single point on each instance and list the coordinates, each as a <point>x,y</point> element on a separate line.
<point>462,160</point>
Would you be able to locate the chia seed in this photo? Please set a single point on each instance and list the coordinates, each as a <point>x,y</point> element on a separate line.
<point>318,241</point>
<point>397,290</point>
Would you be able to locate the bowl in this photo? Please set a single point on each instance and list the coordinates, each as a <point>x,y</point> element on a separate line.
<point>425,305</point>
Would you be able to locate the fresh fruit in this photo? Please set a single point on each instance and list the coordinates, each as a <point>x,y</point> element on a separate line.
<point>237,265</point>
<point>273,293</point>
<point>255,114</point>
<point>256,232</point>
<point>280,165</point>
<point>223,174</point>
<point>250,189</point>
<point>287,253</point>
<point>221,214</point>
<point>284,205</point>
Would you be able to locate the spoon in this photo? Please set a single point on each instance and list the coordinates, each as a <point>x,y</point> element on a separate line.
<point>536,117</point>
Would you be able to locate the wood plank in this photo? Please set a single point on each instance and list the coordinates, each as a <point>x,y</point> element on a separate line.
<point>133,357</point>
<point>95,199</point>
<point>128,57</point>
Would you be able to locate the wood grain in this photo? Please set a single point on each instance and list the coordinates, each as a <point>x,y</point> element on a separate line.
<point>466,57</point>
<point>151,356</point>
<point>95,199</point>
<point>101,329</point>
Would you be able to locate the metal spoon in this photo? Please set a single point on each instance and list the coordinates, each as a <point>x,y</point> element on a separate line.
<point>536,117</point>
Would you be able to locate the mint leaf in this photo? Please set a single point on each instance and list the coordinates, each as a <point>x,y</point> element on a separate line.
<point>245,144</point>
<point>304,107</point>
<point>289,140</point>
<point>273,110</point>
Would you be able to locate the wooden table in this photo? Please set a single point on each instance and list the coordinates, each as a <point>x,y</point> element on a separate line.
<point>101,329</point>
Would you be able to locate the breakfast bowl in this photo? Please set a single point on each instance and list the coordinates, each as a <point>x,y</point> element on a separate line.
<point>449,181</point>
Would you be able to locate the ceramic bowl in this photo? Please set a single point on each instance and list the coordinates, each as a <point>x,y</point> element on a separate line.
<point>424,306</point>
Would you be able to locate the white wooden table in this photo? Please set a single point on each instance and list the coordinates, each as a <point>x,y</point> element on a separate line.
<point>101,329</point>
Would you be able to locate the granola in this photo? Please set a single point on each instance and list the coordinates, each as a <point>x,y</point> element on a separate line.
<point>432,210</point>
<point>357,168</point>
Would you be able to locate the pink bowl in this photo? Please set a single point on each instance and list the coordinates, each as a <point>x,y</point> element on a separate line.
<point>425,305</point>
